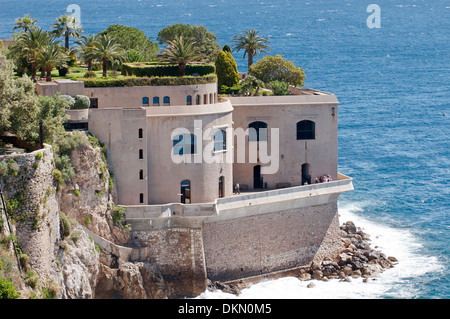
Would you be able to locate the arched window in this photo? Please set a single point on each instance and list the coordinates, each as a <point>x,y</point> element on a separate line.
<point>306,130</point>
<point>145,101</point>
<point>189,100</point>
<point>166,100</point>
<point>184,144</point>
<point>205,98</point>
<point>197,99</point>
<point>156,101</point>
<point>140,133</point>
<point>141,174</point>
<point>257,131</point>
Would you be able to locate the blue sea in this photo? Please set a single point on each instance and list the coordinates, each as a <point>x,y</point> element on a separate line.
<point>393,84</point>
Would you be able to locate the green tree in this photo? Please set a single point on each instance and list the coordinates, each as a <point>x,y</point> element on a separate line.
<point>107,49</point>
<point>53,115</point>
<point>50,57</point>
<point>131,38</point>
<point>180,51</point>
<point>226,70</point>
<point>251,85</point>
<point>18,104</point>
<point>252,44</point>
<point>67,26</point>
<point>276,68</point>
<point>205,41</point>
<point>27,48</point>
<point>85,47</point>
<point>25,23</point>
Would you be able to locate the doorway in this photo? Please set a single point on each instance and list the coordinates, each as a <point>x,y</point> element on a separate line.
<point>221,186</point>
<point>306,174</point>
<point>257,179</point>
<point>186,192</point>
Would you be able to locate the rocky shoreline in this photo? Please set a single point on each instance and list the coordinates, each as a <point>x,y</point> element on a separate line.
<point>355,260</point>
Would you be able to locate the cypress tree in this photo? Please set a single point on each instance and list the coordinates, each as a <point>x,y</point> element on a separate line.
<point>226,70</point>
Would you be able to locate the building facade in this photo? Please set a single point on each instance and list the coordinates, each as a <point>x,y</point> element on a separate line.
<point>178,152</point>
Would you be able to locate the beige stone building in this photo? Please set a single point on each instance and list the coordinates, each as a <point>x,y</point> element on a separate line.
<point>177,153</point>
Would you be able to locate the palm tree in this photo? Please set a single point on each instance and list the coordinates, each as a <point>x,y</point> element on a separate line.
<point>51,56</point>
<point>180,51</point>
<point>67,26</point>
<point>107,49</point>
<point>85,47</point>
<point>25,23</point>
<point>28,45</point>
<point>251,43</point>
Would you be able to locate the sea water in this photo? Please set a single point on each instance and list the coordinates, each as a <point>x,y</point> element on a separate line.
<point>392,81</point>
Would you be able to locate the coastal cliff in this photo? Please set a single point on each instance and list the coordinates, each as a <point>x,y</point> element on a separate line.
<point>73,242</point>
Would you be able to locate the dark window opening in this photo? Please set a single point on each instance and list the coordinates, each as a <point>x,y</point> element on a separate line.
<point>141,198</point>
<point>141,154</point>
<point>306,130</point>
<point>145,101</point>
<point>186,192</point>
<point>141,133</point>
<point>156,101</point>
<point>141,174</point>
<point>257,131</point>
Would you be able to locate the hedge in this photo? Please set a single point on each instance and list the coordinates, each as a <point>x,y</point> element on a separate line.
<point>145,81</point>
<point>152,69</point>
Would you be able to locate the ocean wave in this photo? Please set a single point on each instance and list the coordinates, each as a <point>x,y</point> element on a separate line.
<point>400,282</point>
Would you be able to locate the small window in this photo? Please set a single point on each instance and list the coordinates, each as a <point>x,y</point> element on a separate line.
<point>94,103</point>
<point>306,130</point>
<point>166,100</point>
<point>189,100</point>
<point>184,144</point>
<point>141,154</point>
<point>141,198</point>
<point>220,140</point>
<point>141,175</point>
<point>140,133</point>
<point>156,101</point>
<point>197,99</point>
<point>205,99</point>
<point>211,98</point>
<point>145,101</point>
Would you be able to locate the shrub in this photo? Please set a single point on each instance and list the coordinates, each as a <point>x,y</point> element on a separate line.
<point>57,175</point>
<point>38,156</point>
<point>7,290</point>
<point>31,279</point>
<point>81,102</point>
<point>70,100</point>
<point>145,81</point>
<point>90,74</point>
<point>3,168</point>
<point>152,69</point>
<point>279,87</point>
<point>65,226</point>
<point>76,193</point>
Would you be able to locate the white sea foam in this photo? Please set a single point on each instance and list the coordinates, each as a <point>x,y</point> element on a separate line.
<point>397,282</point>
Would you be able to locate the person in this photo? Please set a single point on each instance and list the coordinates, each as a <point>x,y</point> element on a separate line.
<point>316,180</point>
<point>329,178</point>
<point>238,191</point>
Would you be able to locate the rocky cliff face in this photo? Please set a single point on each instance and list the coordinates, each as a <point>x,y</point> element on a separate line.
<point>58,258</point>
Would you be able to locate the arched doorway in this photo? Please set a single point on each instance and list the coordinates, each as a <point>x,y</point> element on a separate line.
<point>257,179</point>
<point>186,192</point>
<point>306,173</point>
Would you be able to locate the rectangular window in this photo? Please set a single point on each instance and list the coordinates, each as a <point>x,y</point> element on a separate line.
<point>141,198</point>
<point>141,154</point>
<point>220,140</point>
